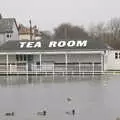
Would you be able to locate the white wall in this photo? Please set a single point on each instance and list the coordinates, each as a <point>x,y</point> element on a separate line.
<point>15,35</point>
<point>110,63</point>
<point>24,37</point>
<point>2,38</point>
<point>27,37</point>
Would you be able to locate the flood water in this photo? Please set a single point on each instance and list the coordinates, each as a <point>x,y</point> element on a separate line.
<point>92,97</point>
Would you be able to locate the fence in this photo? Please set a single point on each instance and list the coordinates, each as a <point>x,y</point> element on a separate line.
<point>66,68</point>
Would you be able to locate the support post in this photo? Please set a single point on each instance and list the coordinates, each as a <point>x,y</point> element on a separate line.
<point>79,68</point>
<point>27,65</point>
<point>53,69</point>
<point>102,63</point>
<point>27,68</point>
<point>40,62</point>
<point>93,68</point>
<point>7,63</point>
<point>66,62</point>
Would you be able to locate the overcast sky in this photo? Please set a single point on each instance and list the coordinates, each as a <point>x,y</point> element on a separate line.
<point>47,14</point>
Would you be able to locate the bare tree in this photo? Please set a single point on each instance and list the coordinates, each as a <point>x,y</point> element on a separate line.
<point>114,28</point>
<point>97,31</point>
<point>68,31</point>
<point>109,32</point>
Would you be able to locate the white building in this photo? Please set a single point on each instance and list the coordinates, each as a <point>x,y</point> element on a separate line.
<point>72,56</point>
<point>25,34</point>
<point>53,56</point>
<point>112,60</point>
<point>8,30</point>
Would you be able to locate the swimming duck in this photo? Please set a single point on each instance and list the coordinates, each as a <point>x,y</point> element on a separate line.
<point>71,112</point>
<point>9,114</point>
<point>69,99</point>
<point>44,112</point>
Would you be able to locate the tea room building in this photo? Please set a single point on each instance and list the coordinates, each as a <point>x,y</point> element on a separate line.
<point>67,57</point>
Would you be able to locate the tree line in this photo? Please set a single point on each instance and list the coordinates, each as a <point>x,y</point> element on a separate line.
<point>108,32</point>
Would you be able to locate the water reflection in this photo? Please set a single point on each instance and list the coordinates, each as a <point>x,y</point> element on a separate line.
<point>92,97</point>
<point>22,80</point>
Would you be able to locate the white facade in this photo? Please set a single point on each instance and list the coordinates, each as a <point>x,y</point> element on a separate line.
<point>15,35</point>
<point>27,37</point>
<point>112,60</point>
<point>75,61</point>
<point>24,36</point>
<point>2,38</point>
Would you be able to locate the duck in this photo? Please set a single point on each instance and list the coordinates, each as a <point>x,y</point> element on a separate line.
<point>43,113</point>
<point>72,112</point>
<point>69,99</point>
<point>9,114</point>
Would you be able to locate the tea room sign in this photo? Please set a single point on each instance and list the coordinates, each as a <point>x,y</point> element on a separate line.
<point>54,44</point>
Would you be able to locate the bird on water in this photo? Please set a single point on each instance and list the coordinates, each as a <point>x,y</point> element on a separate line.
<point>69,99</point>
<point>43,113</point>
<point>72,112</point>
<point>9,114</point>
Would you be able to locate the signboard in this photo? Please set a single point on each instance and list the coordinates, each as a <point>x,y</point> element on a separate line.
<point>54,44</point>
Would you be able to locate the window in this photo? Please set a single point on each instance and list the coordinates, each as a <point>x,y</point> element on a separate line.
<point>30,57</point>
<point>8,35</point>
<point>37,63</point>
<point>25,58</point>
<point>17,57</point>
<point>21,57</point>
<point>116,55</point>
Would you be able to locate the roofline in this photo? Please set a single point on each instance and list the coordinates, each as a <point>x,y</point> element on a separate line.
<point>59,52</point>
<point>52,50</point>
<point>15,22</point>
<point>113,49</point>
